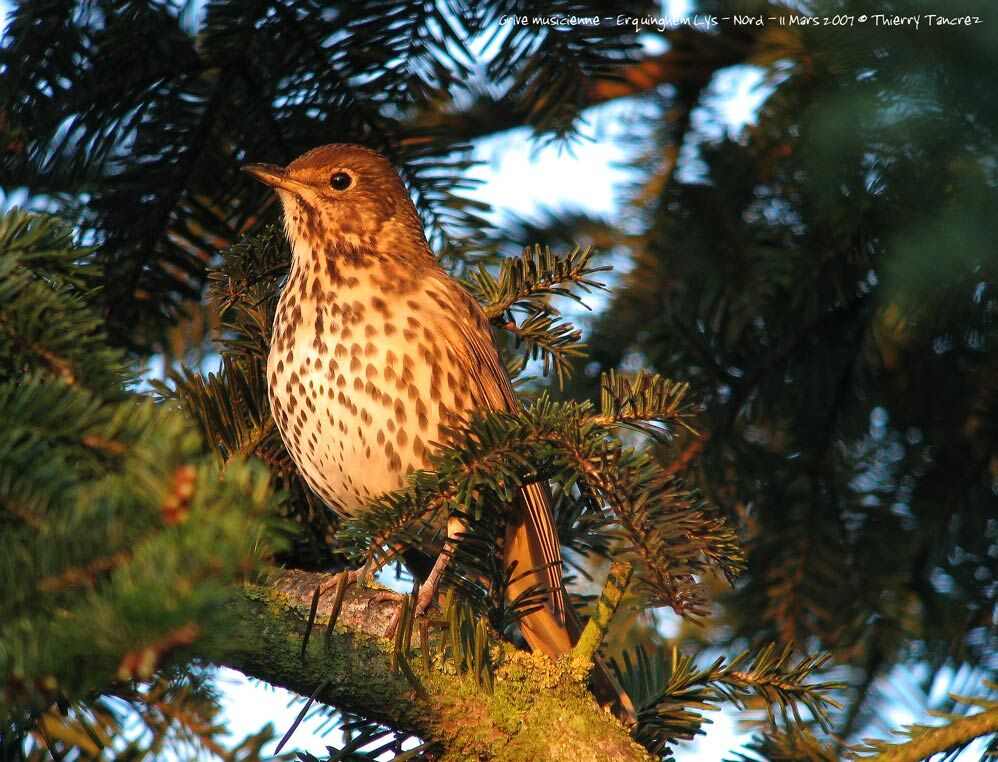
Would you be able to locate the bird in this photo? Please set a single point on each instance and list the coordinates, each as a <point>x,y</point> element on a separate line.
<point>377,353</point>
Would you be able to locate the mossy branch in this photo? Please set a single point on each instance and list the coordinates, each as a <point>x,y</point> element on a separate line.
<point>595,630</point>
<point>537,710</point>
<point>927,741</point>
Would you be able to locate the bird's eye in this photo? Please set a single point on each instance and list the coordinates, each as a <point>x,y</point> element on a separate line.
<point>341,181</point>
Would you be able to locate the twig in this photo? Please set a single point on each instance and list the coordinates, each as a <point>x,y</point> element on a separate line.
<point>599,623</point>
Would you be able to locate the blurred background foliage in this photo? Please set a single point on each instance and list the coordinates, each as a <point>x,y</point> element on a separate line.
<point>825,278</point>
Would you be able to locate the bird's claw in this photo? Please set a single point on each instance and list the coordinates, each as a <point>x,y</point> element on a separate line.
<point>385,596</point>
<point>351,576</point>
<point>424,600</point>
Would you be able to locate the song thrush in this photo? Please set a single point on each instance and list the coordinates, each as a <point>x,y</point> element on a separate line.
<point>375,349</point>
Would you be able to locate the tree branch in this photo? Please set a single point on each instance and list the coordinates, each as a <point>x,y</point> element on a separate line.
<point>690,62</point>
<point>927,742</point>
<point>595,630</point>
<point>537,710</point>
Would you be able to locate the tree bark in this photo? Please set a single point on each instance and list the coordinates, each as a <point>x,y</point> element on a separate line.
<point>538,709</point>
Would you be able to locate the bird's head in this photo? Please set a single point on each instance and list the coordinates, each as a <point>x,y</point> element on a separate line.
<point>345,197</point>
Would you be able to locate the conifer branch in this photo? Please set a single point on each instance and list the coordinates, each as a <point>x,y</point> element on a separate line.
<point>535,275</point>
<point>675,536</point>
<point>592,636</point>
<point>524,287</point>
<point>556,343</point>
<point>44,274</point>
<point>120,538</point>
<point>647,403</point>
<point>790,744</point>
<point>925,741</point>
<point>691,61</point>
<point>670,691</point>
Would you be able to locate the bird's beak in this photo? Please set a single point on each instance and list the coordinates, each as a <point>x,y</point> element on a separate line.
<point>272,175</point>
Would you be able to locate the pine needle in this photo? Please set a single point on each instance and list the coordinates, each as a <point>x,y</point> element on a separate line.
<point>301,716</point>
<point>311,621</point>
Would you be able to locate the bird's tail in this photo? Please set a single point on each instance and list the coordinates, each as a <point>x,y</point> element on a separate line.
<point>554,628</point>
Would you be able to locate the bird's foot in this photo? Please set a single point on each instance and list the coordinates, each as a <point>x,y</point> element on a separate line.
<point>386,596</point>
<point>425,598</point>
<point>390,596</point>
<point>428,590</point>
<point>351,576</point>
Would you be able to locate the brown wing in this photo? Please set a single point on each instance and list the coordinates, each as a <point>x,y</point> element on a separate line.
<point>532,540</point>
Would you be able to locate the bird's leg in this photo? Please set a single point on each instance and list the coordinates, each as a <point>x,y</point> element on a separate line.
<point>361,573</point>
<point>428,590</point>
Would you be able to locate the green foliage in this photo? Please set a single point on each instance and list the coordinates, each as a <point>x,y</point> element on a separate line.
<point>824,278</point>
<point>670,692</point>
<point>550,70</point>
<point>785,747</point>
<point>649,515</point>
<point>119,541</point>
<point>641,402</point>
<point>523,288</point>
<point>42,276</point>
<point>230,406</point>
<point>152,120</point>
<point>175,714</point>
<point>823,281</point>
<point>370,741</point>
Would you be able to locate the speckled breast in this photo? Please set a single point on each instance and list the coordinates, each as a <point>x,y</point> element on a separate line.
<point>358,383</point>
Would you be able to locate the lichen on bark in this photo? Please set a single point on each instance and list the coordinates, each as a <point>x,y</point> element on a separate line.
<point>538,709</point>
